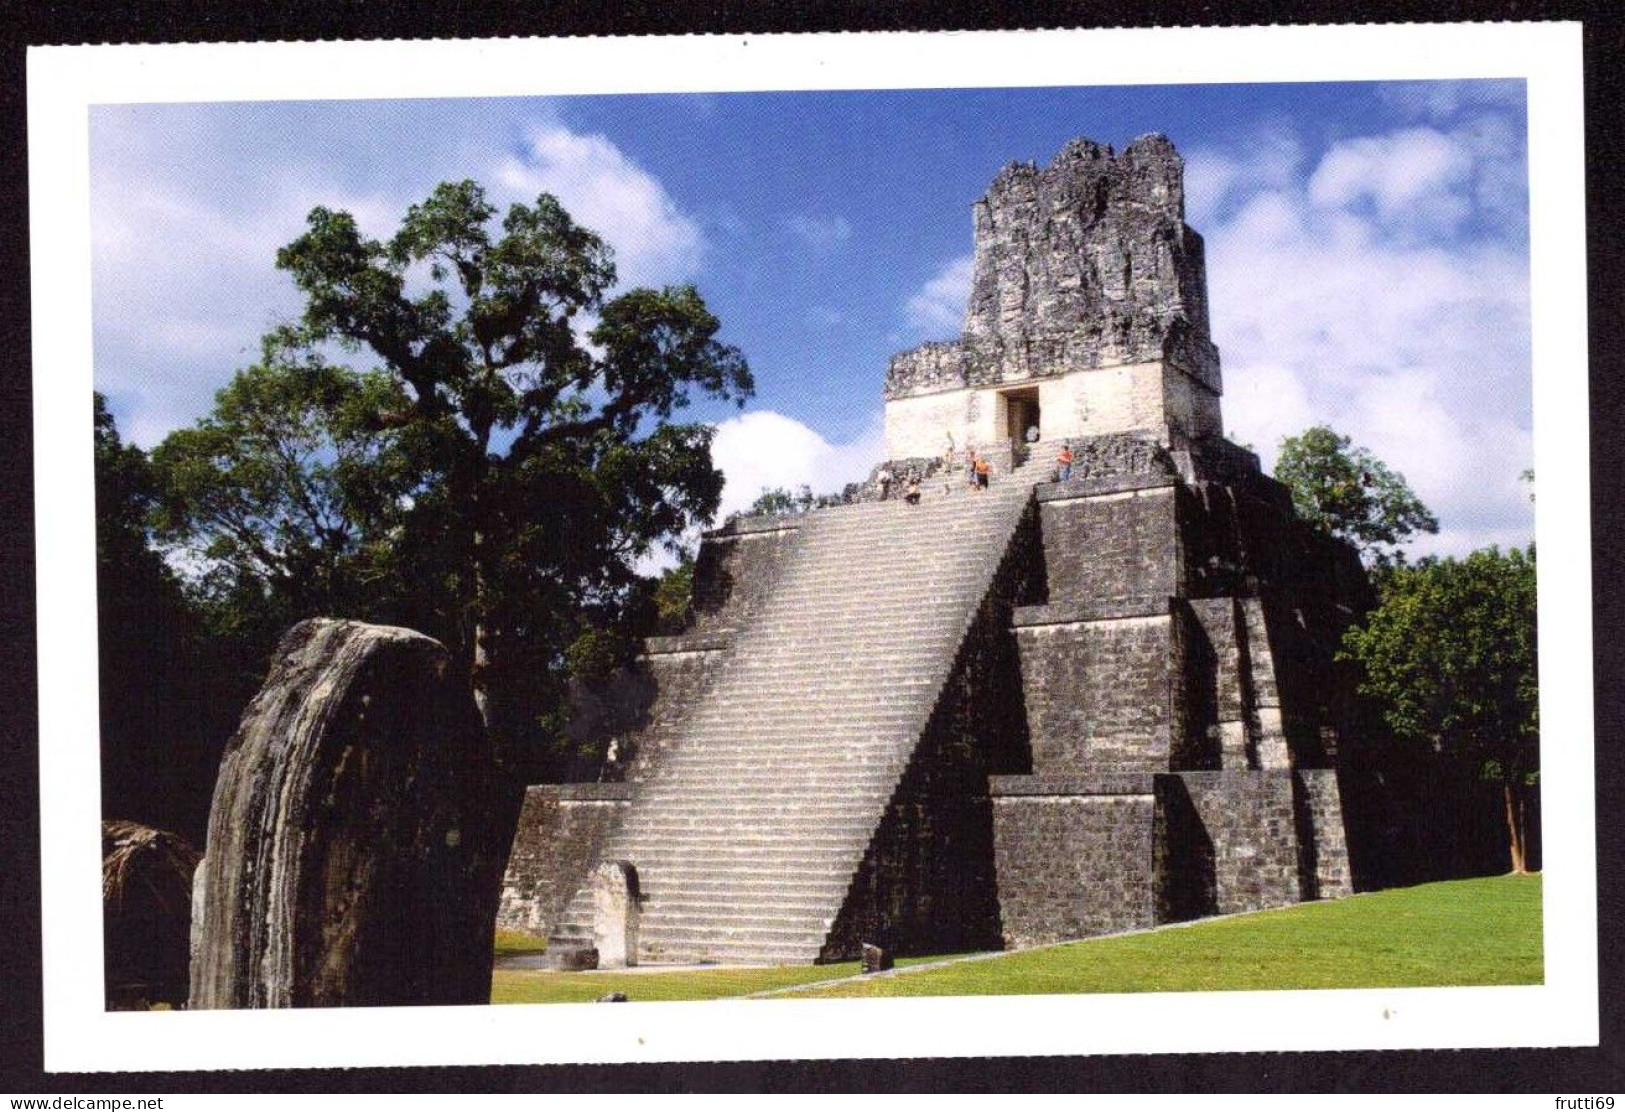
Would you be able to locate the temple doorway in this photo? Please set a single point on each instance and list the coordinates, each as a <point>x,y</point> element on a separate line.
<point>1020,413</point>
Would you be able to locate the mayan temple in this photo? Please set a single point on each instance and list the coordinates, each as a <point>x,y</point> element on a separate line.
<point>996,718</point>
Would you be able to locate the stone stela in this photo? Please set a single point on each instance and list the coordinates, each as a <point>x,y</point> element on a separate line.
<point>997,718</point>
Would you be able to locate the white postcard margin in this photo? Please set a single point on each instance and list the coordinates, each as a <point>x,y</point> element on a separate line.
<point>64,82</point>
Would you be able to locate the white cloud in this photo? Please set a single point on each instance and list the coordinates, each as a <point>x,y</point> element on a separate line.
<point>1339,299</point>
<point>184,245</point>
<point>938,308</point>
<point>763,449</point>
<point>655,242</point>
<point>183,288</point>
<point>1416,176</point>
<point>819,233</point>
<point>1270,159</point>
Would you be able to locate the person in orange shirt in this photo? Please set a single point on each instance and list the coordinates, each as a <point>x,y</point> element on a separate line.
<point>1064,462</point>
<point>983,470</point>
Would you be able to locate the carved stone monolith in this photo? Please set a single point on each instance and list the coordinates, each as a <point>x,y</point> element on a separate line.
<point>146,914</point>
<point>615,914</point>
<point>876,959</point>
<point>360,825</point>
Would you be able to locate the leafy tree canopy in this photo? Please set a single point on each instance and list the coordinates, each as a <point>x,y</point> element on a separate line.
<point>501,467</point>
<point>165,711</point>
<point>1349,493</point>
<point>775,501</point>
<point>1449,656</point>
<point>289,489</point>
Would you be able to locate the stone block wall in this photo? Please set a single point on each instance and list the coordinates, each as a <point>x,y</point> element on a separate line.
<point>1112,539</point>
<point>1233,695</point>
<point>926,883</point>
<point>1190,399</point>
<point>679,670</point>
<point>1216,679</point>
<point>916,425</point>
<point>561,828</point>
<point>1097,687</point>
<point>1248,818</point>
<point>629,715</point>
<point>1073,856</point>
<point>1183,876</point>
<point>1132,398</point>
<point>635,715</point>
<point>1093,249</point>
<point>737,567</point>
<point>1152,400</point>
<point>1322,842</point>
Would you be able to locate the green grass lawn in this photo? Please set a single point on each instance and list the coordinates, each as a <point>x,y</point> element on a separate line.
<point>1485,931</point>
<point>518,942</point>
<point>514,986</point>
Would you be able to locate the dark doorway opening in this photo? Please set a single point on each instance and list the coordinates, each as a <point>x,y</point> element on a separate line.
<point>1021,418</point>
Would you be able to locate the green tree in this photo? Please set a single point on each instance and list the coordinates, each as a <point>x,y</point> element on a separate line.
<point>1449,656</point>
<point>162,722</point>
<point>512,464</point>
<point>674,597</point>
<point>777,500</point>
<point>287,494</point>
<point>1349,493</point>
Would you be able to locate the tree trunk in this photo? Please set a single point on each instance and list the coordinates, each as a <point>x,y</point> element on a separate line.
<point>480,673</point>
<point>1515,831</point>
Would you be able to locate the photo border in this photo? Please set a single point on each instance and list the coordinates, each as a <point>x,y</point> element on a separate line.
<point>79,1035</point>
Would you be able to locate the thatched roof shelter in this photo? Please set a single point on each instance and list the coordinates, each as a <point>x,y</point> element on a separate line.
<point>146,914</point>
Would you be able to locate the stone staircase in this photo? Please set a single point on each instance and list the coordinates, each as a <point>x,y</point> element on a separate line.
<point>747,836</point>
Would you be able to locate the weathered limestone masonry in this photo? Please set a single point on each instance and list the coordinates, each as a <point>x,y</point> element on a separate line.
<point>1180,703</point>
<point>1044,711</point>
<point>1180,700</point>
<point>1087,315</point>
<point>563,826</point>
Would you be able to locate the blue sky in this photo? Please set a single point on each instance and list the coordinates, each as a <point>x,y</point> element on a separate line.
<point>1367,247</point>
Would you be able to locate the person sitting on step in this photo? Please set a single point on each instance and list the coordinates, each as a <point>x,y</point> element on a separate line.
<point>983,470</point>
<point>911,493</point>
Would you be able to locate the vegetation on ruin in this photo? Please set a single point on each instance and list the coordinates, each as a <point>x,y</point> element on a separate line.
<point>1469,932</point>
<point>1449,658</point>
<point>777,501</point>
<point>1351,494</point>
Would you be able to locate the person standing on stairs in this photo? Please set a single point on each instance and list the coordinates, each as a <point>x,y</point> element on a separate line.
<point>948,464</point>
<point>883,479</point>
<point>1063,463</point>
<point>983,470</point>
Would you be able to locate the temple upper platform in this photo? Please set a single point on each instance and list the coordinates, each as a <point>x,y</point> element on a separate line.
<point>1087,313</point>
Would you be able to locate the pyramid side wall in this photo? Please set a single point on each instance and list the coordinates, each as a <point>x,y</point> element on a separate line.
<point>1187,639</point>
<point>926,883</point>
